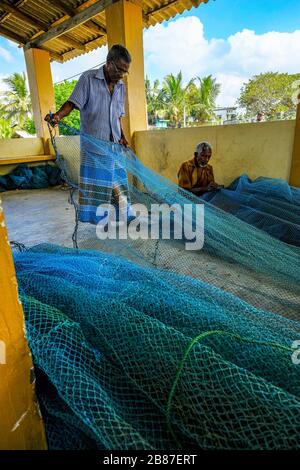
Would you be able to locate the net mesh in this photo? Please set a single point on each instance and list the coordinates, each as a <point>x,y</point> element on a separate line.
<point>143,344</point>
<point>268,204</point>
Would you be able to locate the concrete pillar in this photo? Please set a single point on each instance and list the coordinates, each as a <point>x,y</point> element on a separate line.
<point>125,26</point>
<point>295,168</point>
<point>21,424</point>
<point>41,87</point>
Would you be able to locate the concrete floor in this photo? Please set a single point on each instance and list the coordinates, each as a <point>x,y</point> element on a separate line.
<point>39,216</point>
<point>45,216</point>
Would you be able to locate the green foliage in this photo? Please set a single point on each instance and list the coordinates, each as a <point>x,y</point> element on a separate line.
<point>178,102</point>
<point>6,130</point>
<point>16,103</point>
<point>203,99</point>
<point>155,101</point>
<point>269,93</point>
<point>29,126</point>
<point>176,98</point>
<point>62,93</point>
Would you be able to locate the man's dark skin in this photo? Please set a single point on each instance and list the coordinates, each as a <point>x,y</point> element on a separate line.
<point>114,71</point>
<point>202,159</point>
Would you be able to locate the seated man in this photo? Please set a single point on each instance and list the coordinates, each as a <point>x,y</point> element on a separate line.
<point>195,175</point>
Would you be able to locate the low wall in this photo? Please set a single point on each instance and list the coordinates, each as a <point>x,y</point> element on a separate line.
<point>21,149</point>
<point>258,149</point>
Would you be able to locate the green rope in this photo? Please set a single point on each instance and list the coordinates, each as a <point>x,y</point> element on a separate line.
<point>195,340</point>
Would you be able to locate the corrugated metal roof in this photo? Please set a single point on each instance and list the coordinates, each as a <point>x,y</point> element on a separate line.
<point>25,21</point>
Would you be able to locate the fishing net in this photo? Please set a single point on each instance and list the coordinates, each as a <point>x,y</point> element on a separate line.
<point>267,203</point>
<point>141,343</point>
<point>34,177</point>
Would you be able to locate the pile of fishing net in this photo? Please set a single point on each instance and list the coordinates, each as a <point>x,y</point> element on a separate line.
<point>33,177</point>
<point>139,358</point>
<point>140,343</point>
<point>269,204</point>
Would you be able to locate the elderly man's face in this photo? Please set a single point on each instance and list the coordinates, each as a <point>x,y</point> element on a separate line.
<point>117,69</point>
<point>203,157</point>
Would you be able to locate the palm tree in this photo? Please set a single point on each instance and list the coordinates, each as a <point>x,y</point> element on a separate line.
<point>203,98</point>
<point>176,97</point>
<point>155,100</point>
<point>17,103</point>
<point>6,129</point>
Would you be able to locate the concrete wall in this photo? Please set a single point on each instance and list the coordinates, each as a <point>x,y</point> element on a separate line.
<point>20,151</point>
<point>258,149</point>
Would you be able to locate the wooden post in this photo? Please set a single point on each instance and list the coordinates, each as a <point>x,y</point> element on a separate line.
<point>41,87</point>
<point>125,26</point>
<point>21,424</point>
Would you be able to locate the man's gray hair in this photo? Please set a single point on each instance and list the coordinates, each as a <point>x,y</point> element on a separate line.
<point>118,52</point>
<point>203,146</point>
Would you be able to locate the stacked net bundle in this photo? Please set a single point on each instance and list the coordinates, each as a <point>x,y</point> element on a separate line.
<point>141,343</point>
<point>130,357</point>
<point>35,177</point>
<point>268,204</point>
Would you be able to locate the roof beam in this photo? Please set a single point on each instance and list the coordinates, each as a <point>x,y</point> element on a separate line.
<point>18,4</point>
<point>68,10</point>
<point>54,55</point>
<point>8,34</point>
<point>95,27</point>
<point>71,23</point>
<point>71,42</point>
<point>161,7</point>
<point>99,41</point>
<point>8,8</point>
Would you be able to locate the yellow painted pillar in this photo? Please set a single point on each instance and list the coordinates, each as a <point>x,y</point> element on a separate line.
<point>295,168</point>
<point>41,87</point>
<point>21,426</point>
<point>124,26</point>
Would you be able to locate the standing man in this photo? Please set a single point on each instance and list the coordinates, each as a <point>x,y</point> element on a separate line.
<point>100,97</point>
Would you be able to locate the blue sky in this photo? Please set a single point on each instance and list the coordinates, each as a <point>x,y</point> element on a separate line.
<point>225,17</point>
<point>230,39</point>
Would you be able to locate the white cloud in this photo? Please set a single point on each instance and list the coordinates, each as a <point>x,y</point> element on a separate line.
<point>5,54</point>
<point>181,45</point>
<point>3,86</point>
<point>231,86</point>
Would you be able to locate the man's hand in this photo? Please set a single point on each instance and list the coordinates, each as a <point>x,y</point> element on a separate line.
<point>63,112</point>
<point>53,119</point>
<point>212,186</point>
<point>123,141</point>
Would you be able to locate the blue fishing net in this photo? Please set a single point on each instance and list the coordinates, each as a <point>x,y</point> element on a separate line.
<point>140,358</point>
<point>34,177</point>
<point>140,343</point>
<point>269,204</point>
